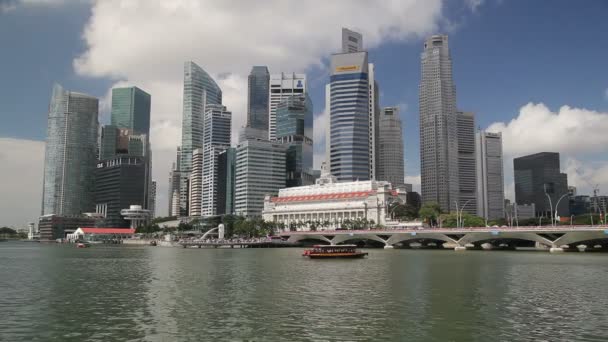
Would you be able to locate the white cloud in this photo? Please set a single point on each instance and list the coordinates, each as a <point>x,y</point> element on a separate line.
<point>21,167</point>
<point>145,43</point>
<point>578,134</point>
<point>473,5</point>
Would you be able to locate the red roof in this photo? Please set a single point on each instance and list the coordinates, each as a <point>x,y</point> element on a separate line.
<point>341,195</point>
<point>108,230</point>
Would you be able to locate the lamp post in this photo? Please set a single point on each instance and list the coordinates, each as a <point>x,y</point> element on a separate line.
<point>550,203</point>
<point>459,221</point>
<point>557,205</point>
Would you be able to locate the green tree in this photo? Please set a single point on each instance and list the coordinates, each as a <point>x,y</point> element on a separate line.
<point>429,212</point>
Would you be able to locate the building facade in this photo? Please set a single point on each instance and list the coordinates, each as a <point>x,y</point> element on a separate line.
<point>282,86</point>
<point>70,151</point>
<point>226,173</point>
<point>438,126</point>
<point>390,148</point>
<point>351,41</point>
<point>349,150</point>
<point>329,204</point>
<point>295,131</point>
<point>131,109</point>
<point>195,184</point>
<point>119,183</point>
<point>490,185</point>
<point>217,133</point>
<point>199,90</point>
<point>260,171</point>
<point>258,97</point>
<point>152,200</point>
<point>467,171</point>
<point>53,227</point>
<point>538,180</point>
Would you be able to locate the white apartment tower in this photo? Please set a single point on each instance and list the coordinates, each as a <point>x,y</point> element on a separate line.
<point>282,86</point>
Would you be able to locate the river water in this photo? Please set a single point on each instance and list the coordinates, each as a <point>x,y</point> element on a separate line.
<point>119,293</point>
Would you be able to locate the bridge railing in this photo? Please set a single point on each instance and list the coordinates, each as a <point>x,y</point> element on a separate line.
<point>443,230</point>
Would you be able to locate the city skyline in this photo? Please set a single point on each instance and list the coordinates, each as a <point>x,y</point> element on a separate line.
<point>552,111</point>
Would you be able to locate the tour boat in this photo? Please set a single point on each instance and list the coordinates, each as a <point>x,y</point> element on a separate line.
<point>329,252</point>
<point>83,245</point>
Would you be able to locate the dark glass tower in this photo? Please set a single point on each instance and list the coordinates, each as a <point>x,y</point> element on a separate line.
<point>294,130</point>
<point>257,99</point>
<point>131,109</point>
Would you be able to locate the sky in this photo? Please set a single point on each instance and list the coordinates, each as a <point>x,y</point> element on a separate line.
<point>533,70</point>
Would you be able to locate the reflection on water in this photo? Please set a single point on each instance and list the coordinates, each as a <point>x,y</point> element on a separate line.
<point>52,292</point>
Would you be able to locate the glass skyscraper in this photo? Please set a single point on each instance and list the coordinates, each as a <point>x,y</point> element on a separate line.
<point>390,147</point>
<point>199,90</point>
<point>70,153</point>
<point>349,149</point>
<point>257,99</point>
<point>294,130</point>
<point>131,109</point>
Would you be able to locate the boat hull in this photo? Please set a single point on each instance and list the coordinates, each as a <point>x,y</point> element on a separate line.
<point>337,255</point>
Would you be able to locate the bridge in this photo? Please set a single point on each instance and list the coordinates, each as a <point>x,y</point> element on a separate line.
<point>556,239</point>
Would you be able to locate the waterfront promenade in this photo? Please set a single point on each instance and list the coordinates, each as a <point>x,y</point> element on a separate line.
<point>555,239</point>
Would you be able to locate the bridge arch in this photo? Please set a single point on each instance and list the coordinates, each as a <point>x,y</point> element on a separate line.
<point>486,236</point>
<point>576,238</point>
<point>299,237</point>
<point>341,238</point>
<point>396,238</point>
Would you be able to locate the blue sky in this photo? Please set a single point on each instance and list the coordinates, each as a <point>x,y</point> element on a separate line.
<point>505,55</point>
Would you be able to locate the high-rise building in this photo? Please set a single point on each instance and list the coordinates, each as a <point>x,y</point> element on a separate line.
<point>226,171</point>
<point>71,145</point>
<point>349,149</point>
<point>490,176</point>
<point>216,139</point>
<point>295,131</point>
<point>199,90</point>
<point>257,99</point>
<point>390,148</point>
<point>467,179</point>
<point>374,117</point>
<point>131,109</point>
<point>117,141</point>
<point>195,184</point>
<point>119,183</point>
<point>538,180</point>
<point>438,125</point>
<point>282,85</point>
<point>152,200</point>
<point>260,171</point>
<point>351,41</point>
<point>174,179</point>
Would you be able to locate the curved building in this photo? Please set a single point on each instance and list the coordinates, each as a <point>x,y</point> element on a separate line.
<point>70,152</point>
<point>199,90</point>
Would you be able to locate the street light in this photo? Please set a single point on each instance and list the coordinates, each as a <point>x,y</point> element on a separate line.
<point>459,221</point>
<point>550,204</point>
<point>557,205</point>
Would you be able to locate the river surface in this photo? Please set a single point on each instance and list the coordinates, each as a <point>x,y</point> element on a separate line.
<point>119,293</point>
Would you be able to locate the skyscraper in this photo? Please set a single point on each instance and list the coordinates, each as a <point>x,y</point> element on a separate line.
<point>438,125</point>
<point>199,90</point>
<point>216,139</point>
<point>467,179</point>
<point>351,41</point>
<point>294,131</point>
<point>282,85</point>
<point>71,145</point>
<point>258,97</point>
<point>349,150</point>
<point>226,171</point>
<point>390,147</point>
<point>174,179</point>
<point>538,178</point>
<point>260,171</point>
<point>131,109</point>
<point>152,200</point>
<point>490,177</point>
<point>195,184</point>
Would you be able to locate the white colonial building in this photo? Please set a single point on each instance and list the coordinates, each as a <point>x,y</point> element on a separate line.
<point>330,203</point>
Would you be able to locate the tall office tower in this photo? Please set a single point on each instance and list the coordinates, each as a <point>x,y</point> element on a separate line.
<point>152,200</point>
<point>327,124</point>
<point>294,131</point>
<point>490,176</point>
<point>174,179</point>
<point>226,170</point>
<point>350,144</point>
<point>69,161</point>
<point>257,99</point>
<point>438,126</point>
<point>282,85</point>
<point>119,183</point>
<point>195,183</point>
<point>467,178</point>
<point>216,139</point>
<point>390,148</point>
<point>351,41</point>
<point>538,178</point>
<point>117,141</point>
<point>199,90</point>
<point>374,116</point>
<point>260,171</point>
<point>131,109</point>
